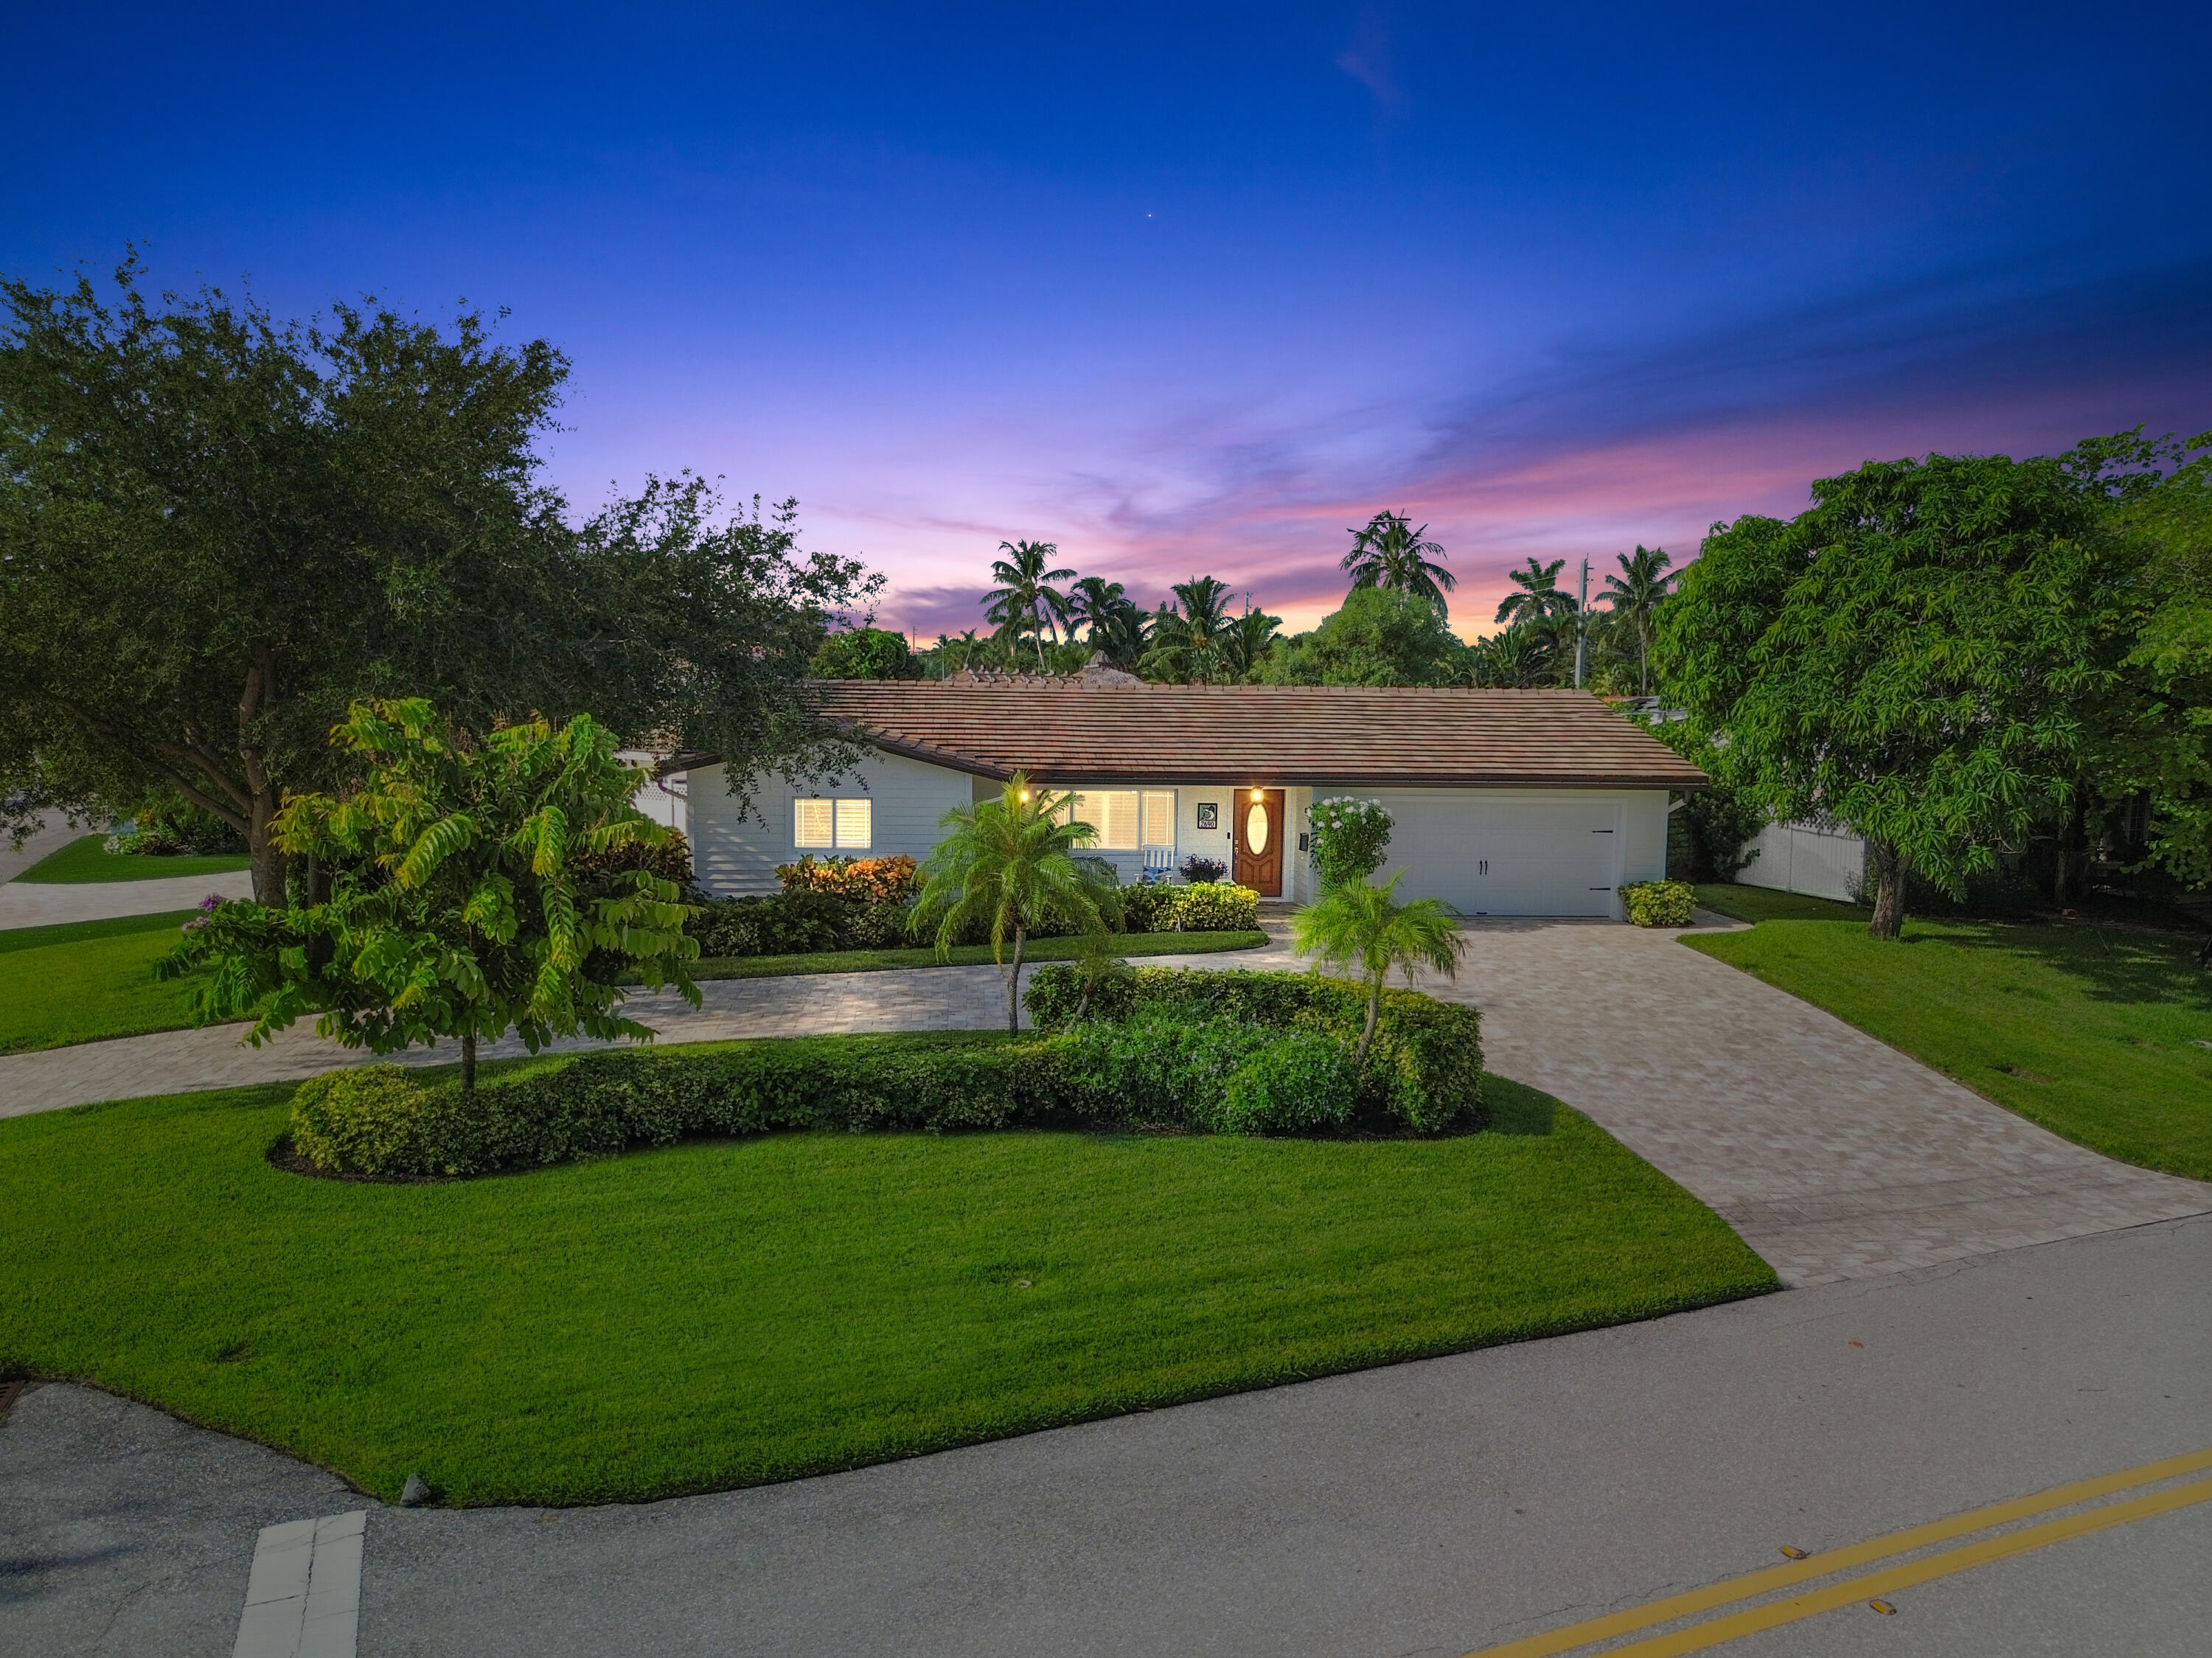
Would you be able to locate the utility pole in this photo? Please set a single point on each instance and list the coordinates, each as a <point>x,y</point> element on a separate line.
<point>1582,626</point>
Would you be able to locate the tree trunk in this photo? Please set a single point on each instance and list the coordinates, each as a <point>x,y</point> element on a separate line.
<point>1889,866</point>
<point>468,1065</point>
<point>2073,875</point>
<point>264,800</point>
<point>268,857</point>
<point>1014,985</point>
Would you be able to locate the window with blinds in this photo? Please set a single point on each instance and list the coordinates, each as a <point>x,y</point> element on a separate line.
<point>844,824</point>
<point>1122,819</point>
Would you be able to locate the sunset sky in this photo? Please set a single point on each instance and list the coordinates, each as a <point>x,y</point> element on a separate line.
<point>1191,289</point>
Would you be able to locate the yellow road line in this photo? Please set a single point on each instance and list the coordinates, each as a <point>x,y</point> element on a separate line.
<point>1889,1579</point>
<point>1855,1554</point>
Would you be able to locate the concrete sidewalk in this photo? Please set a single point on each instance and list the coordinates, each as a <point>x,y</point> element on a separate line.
<point>37,903</point>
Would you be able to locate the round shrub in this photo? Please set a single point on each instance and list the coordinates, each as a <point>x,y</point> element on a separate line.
<point>1296,1084</point>
<point>362,1120</point>
<point>1659,903</point>
<point>1348,837</point>
<point>1215,907</point>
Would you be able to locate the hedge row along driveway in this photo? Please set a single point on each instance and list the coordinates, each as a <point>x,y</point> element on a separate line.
<point>723,1313</point>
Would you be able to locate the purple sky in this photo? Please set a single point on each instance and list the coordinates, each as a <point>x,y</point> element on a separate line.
<point>1191,291</point>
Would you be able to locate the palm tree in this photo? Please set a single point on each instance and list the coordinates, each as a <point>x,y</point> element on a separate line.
<point>1110,618</point>
<point>1390,553</point>
<point>1023,602</point>
<point>1515,658</point>
<point>1634,596</point>
<point>1009,861</point>
<point>1362,927</point>
<point>1190,636</point>
<point>1539,595</point>
<point>1248,639</point>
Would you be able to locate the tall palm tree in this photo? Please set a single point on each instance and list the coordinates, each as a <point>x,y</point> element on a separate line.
<point>1010,861</point>
<point>1247,640</point>
<point>1023,601</point>
<point>1363,927</point>
<point>1539,595</point>
<point>1390,553</point>
<point>1513,659</point>
<point>1634,596</point>
<point>1111,620</point>
<point>1190,635</point>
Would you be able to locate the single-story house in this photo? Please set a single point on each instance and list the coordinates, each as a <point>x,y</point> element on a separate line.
<point>1505,802</point>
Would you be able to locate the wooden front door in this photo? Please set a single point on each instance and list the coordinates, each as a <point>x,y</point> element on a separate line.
<point>1258,827</point>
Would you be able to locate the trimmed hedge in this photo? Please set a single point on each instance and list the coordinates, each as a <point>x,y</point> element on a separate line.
<point>1424,1070</point>
<point>1210,907</point>
<point>1659,903</point>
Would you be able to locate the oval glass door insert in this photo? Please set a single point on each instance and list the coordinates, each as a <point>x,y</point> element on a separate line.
<point>1256,828</point>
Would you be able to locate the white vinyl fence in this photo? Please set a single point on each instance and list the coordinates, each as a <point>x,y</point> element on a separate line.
<point>1820,860</point>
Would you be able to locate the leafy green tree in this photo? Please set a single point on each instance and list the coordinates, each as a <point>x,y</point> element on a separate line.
<point>2165,750</point>
<point>1025,601</point>
<point>1363,928</point>
<point>455,907</point>
<point>1389,553</point>
<point>1918,655</point>
<point>218,530</point>
<point>865,652</point>
<point>1010,864</point>
<point>1634,596</point>
<point>1380,637</point>
<point>1192,635</point>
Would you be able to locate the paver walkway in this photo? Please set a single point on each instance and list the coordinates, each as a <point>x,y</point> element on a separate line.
<point>36,903</point>
<point>1832,1154</point>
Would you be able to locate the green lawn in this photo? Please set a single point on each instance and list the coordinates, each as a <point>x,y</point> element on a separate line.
<point>724,1313</point>
<point>86,980</point>
<point>1039,950</point>
<point>1761,904</point>
<point>83,861</point>
<point>2101,1035</point>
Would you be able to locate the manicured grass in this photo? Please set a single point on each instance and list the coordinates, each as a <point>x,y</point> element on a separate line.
<point>719,1314</point>
<point>1038,949</point>
<point>1763,904</point>
<point>87,980</point>
<point>2093,1033</point>
<point>83,861</point>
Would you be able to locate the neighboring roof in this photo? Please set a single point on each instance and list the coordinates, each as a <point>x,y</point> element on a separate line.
<point>1340,736</point>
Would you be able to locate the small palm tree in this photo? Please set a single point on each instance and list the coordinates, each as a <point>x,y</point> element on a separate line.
<point>1634,596</point>
<point>1362,927</point>
<point>1390,553</point>
<point>1010,861</point>
<point>1539,597</point>
<point>1513,659</point>
<point>1025,601</point>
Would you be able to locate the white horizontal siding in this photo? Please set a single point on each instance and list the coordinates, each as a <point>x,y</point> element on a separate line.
<point>735,857</point>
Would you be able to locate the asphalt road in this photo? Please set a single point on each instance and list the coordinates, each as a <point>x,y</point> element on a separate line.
<point>1436,1508</point>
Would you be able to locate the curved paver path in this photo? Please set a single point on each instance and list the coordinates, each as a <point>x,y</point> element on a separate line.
<point>1833,1154</point>
<point>37,903</point>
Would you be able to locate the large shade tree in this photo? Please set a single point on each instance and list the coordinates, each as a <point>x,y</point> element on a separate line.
<point>218,528</point>
<point>1925,654</point>
<point>1379,637</point>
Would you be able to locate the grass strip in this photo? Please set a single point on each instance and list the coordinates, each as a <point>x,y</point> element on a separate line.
<point>719,1314</point>
<point>2101,1035</point>
<point>85,980</point>
<point>82,862</point>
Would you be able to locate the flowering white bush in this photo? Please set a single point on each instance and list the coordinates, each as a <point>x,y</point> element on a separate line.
<point>1347,838</point>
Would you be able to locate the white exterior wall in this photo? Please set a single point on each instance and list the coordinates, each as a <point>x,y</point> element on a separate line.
<point>1814,859</point>
<point>734,857</point>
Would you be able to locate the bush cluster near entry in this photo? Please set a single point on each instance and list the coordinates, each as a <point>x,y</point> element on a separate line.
<point>812,917</point>
<point>1659,903</point>
<point>1423,1072</point>
<point>1225,1052</point>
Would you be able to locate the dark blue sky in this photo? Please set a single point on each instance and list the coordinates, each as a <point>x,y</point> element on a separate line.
<point>1194,288</point>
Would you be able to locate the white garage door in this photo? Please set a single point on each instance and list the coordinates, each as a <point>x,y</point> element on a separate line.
<point>1507,857</point>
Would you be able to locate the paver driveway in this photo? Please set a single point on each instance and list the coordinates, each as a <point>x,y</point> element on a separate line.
<point>1833,1155</point>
